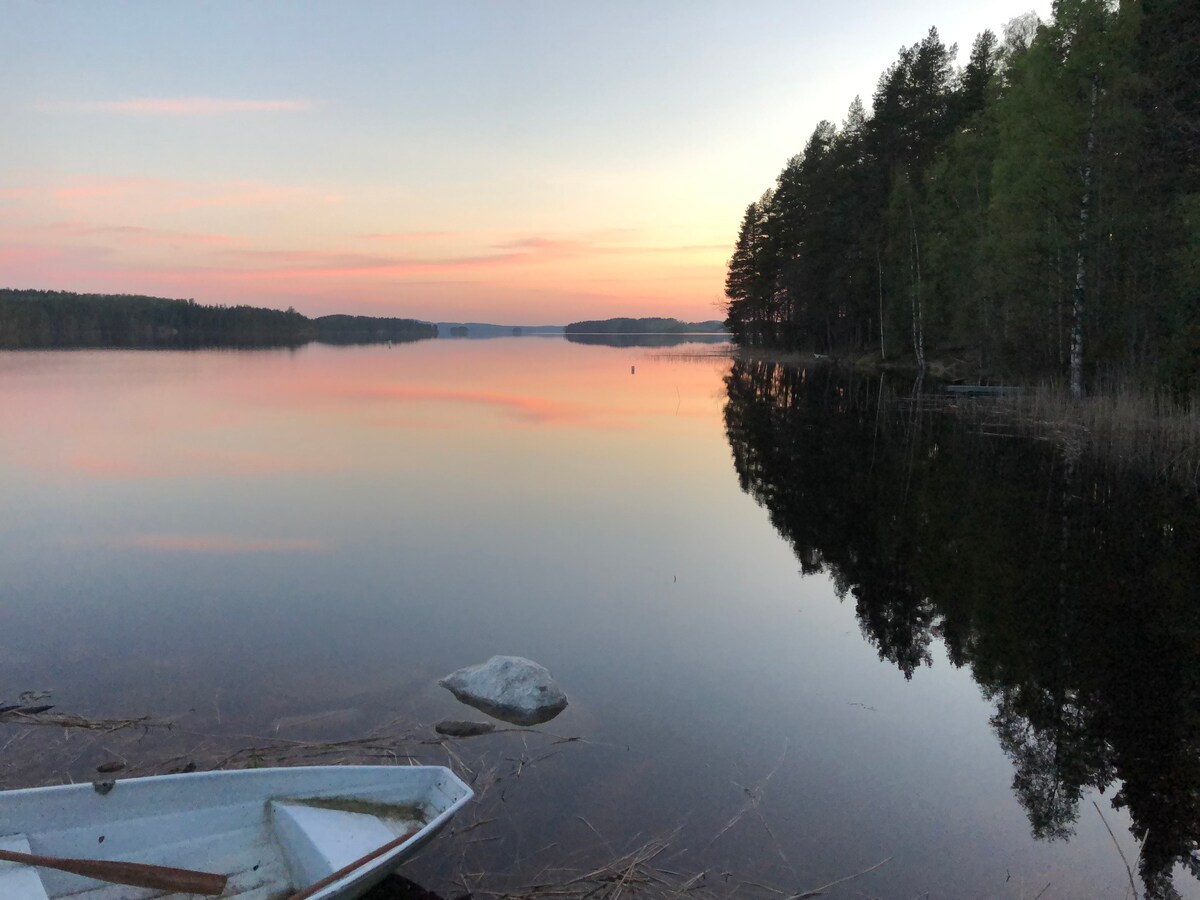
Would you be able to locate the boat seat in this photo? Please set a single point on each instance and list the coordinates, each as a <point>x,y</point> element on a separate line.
<point>18,879</point>
<point>317,842</point>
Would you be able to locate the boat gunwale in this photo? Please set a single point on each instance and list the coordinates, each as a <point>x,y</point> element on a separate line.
<point>20,793</point>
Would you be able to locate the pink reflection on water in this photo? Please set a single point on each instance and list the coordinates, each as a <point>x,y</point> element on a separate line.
<point>105,416</point>
<point>536,409</point>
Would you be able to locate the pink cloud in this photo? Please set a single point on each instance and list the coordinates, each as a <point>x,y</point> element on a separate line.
<point>182,106</point>
<point>525,250</point>
<point>26,256</point>
<point>255,264</point>
<point>113,227</point>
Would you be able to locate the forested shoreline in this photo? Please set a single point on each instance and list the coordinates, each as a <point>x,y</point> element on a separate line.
<point>1035,214</point>
<point>31,319</point>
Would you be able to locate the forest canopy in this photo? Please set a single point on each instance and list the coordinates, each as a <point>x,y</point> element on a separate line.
<point>1035,213</point>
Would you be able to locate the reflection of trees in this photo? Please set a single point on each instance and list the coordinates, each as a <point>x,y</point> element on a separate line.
<point>1070,592</point>
<point>1052,765</point>
<point>645,340</point>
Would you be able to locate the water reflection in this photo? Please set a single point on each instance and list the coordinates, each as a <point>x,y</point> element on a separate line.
<point>1067,589</point>
<point>646,340</point>
<point>277,548</point>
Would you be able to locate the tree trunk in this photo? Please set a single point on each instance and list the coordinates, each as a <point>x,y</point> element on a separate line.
<point>1077,295</point>
<point>882,342</point>
<point>918,314</point>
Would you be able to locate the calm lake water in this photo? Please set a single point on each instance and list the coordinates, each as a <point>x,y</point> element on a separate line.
<point>802,629</point>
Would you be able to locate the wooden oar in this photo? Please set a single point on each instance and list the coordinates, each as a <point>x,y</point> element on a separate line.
<point>347,869</point>
<point>159,878</point>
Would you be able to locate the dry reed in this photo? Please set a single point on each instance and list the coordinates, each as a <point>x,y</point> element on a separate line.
<point>1121,426</point>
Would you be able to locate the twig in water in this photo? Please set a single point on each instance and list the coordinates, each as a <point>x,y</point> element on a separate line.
<point>592,827</point>
<point>755,794</point>
<point>778,849</point>
<point>817,892</point>
<point>71,721</point>
<point>475,825</point>
<point>764,887</point>
<point>862,705</point>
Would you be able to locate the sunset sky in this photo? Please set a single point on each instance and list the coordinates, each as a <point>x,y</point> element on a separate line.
<point>513,162</point>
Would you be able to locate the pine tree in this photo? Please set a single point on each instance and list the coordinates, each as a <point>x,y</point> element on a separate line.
<point>747,285</point>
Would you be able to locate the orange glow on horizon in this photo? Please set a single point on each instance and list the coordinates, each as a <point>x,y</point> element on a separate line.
<point>306,246</point>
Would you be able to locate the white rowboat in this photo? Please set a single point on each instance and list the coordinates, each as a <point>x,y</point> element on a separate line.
<point>273,832</point>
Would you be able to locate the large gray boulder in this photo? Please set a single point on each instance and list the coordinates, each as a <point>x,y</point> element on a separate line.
<point>510,688</point>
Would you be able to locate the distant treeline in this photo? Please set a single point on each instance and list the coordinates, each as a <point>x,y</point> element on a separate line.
<point>1036,212</point>
<point>371,329</point>
<point>30,319</point>
<point>642,326</point>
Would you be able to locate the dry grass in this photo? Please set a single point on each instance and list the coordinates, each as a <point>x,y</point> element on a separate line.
<point>1122,426</point>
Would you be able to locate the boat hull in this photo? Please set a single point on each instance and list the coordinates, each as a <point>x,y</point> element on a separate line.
<point>272,831</point>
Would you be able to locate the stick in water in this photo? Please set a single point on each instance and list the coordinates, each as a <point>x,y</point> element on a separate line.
<point>347,869</point>
<point>159,878</point>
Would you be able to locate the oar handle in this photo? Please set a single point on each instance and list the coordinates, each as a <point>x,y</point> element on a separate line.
<point>159,878</point>
<point>347,869</point>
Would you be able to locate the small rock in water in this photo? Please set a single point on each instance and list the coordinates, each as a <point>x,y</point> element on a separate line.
<point>510,688</point>
<point>109,767</point>
<point>458,728</point>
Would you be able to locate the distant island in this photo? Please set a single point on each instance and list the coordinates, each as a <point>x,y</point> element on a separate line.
<point>341,329</point>
<point>31,319</point>
<point>644,326</point>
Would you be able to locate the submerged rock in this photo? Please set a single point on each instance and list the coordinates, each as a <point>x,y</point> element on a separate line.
<point>509,688</point>
<point>460,729</point>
